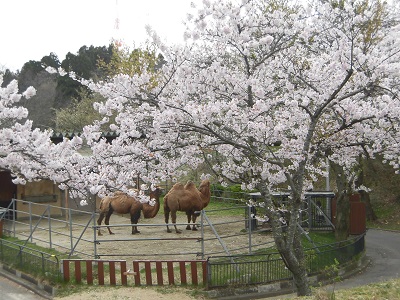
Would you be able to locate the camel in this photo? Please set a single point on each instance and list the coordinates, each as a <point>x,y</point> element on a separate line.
<point>122,203</point>
<point>186,198</point>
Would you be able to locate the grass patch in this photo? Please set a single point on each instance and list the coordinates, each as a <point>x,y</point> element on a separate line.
<point>388,214</point>
<point>226,208</point>
<point>384,290</point>
<point>319,238</point>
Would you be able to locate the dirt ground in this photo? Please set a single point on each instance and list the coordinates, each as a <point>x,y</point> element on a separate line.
<point>221,237</point>
<point>133,293</point>
<point>224,236</point>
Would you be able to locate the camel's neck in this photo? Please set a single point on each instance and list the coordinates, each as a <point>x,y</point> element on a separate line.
<point>150,211</point>
<point>205,197</point>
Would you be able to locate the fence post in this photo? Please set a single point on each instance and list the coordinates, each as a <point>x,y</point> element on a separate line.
<point>113,280</point>
<point>100,271</point>
<point>170,268</point>
<point>160,280</point>
<point>204,270</point>
<point>65,270</point>
<point>193,268</point>
<point>124,278</point>
<point>94,235</point>
<point>70,228</point>
<point>30,219</point>
<point>182,268</point>
<point>49,217</point>
<point>202,233</point>
<point>89,272</point>
<point>250,226</point>
<point>137,271</point>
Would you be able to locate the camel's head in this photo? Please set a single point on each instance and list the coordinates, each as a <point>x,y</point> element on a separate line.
<point>204,186</point>
<point>156,193</point>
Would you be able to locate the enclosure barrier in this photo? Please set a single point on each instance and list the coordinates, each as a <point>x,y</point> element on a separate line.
<point>115,272</point>
<point>266,268</point>
<point>30,260</point>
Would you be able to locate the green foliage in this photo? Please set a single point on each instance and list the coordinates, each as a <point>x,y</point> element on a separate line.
<point>130,62</point>
<point>236,188</point>
<point>51,60</point>
<point>95,63</point>
<point>332,271</point>
<point>79,113</point>
<point>319,238</point>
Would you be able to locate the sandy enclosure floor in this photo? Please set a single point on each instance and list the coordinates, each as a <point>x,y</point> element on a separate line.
<point>153,243</point>
<point>226,234</point>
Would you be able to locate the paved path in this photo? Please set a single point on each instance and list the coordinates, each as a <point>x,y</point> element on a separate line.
<point>13,290</point>
<point>383,249</point>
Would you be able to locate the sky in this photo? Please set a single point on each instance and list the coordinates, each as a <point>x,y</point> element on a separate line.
<point>31,29</point>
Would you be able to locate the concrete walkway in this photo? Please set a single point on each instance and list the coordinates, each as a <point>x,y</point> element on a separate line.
<point>383,253</point>
<point>383,250</point>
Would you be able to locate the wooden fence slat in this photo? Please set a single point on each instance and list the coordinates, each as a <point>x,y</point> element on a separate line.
<point>113,280</point>
<point>100,268</point>
<point>124,278</point>
<point>159,273</point>
<point>205,272</point>
<point>147,268</point>
<point>182,268</point>
<point>66,270</point>
<point>193,267</point>
<point>136,269</point>
<point>170,268</point>
<point>89,272</point>
<point>78,271</point>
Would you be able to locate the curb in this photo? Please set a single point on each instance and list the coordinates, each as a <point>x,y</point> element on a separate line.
<point>27,281</point>
<point>286,287</point>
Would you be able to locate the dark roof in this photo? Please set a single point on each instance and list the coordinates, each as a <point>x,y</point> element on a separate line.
<point>58,136</point>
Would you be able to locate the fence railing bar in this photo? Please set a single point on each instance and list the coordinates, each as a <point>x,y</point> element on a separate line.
<point>80,236</point>
<point>151,255</point>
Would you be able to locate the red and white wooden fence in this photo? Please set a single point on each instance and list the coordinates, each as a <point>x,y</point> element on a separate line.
<point>146,272</point>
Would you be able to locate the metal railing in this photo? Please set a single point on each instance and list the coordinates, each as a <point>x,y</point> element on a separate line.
<point>30,260</point>
<point>262,269</point>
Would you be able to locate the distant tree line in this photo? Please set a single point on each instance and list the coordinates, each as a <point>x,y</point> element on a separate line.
<point>62,103</point>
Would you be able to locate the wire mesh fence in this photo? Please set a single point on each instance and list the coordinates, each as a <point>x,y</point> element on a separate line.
<point>266,268</point>
<point>29,260</point>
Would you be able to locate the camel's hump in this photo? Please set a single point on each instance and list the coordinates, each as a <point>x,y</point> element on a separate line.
<point>178,185</point>
<point>190,185</point>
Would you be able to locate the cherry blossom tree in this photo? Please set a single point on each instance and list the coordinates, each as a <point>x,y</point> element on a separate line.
<point>29,154</point>
<point>262,92</point>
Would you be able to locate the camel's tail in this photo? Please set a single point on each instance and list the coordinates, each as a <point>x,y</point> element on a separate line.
<point>103,206</point>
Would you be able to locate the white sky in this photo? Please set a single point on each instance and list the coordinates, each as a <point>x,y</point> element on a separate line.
<point>31,29</point>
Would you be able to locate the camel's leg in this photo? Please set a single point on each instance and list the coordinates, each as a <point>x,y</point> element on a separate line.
<point>99,220</point>
<point>173,219</point>
<point>107,220</point>
<point>194,217</point>
<point>166,216</point>
<point>189,215</point>
<point>134,220</point>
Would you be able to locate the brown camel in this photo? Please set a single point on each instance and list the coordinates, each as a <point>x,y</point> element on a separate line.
<point>122,203</point>
<point>186,198</point>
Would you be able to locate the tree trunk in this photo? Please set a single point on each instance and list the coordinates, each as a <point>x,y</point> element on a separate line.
<point>342,227</point>
<point>288,238</point>
<point>342,217</point>
<point>300,277</point>
<point>371,216</point>
<point>292,254</point>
